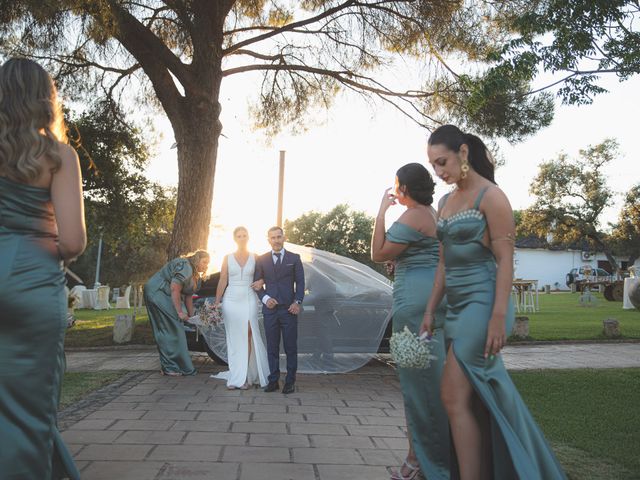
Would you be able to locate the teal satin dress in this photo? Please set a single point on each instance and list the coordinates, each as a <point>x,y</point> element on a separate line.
<point>33,308</point>
<point>519,448</point>
<point>426,417</point>
<point>168,329</point>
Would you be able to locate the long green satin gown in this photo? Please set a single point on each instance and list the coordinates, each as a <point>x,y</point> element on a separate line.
<point>33,312</point>
<point>426,417</point>
<point>167,328</point>
<point>519,448</point>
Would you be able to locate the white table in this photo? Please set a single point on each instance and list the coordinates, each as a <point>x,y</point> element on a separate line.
<point>89,298</point>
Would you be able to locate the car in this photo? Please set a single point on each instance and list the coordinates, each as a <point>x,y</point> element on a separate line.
<point>579,276</point>
<point>347,310</point>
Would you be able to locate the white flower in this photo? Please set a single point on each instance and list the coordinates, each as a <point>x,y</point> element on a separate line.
<point>410,351</point>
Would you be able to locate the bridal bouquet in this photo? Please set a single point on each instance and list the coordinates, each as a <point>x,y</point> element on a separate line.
<point>410,350</point>
<point>208,315</point>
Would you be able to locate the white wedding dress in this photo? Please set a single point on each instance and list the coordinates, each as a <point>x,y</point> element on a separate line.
<point>239,311</point>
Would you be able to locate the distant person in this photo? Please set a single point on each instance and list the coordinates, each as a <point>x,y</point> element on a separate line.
<point>411,246</point>
<point>281,294</point>
<point>164,295</point>
<point>246,353</point>
<point>492,430</point>
<point>41,226</point>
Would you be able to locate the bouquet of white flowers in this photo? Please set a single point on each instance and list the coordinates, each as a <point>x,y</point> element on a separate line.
<point>410,350</point>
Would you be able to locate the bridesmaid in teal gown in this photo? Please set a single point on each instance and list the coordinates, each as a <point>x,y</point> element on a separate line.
<point>493,433</point>
<point>41,225</point>
<point>411,242</point>
<point>164,295</point>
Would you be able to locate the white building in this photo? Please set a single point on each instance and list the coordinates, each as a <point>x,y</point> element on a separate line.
<point>550,266</point>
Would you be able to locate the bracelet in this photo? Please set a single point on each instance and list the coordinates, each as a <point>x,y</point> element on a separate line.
<point>430,314</point>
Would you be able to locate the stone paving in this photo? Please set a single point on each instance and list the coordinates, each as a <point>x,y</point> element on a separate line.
<point>349,426</point>
<point>520,357</point>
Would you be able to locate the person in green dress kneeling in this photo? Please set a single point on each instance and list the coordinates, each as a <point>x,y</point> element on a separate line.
<point>164,295</point>
<point>411,242</point>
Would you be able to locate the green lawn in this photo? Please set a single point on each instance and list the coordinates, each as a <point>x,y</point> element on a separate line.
<point>94,328</point>
<point>76,385</point>
<point>562,318</point>
<point>591,417</point>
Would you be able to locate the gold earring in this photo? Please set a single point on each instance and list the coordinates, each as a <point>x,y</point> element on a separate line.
<point>464,168</point>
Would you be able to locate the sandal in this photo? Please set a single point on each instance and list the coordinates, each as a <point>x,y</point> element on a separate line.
<point>414,472</point>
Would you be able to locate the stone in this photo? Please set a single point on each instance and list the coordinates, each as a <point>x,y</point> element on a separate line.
<point>521,327</point>
<point>611,328</point>
<point>123,328</point>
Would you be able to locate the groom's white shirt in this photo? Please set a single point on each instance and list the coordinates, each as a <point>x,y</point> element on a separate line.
<point>266,297</point>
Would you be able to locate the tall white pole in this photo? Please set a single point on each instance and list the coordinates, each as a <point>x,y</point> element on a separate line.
<point>97,282</point>
<point>280,189</point>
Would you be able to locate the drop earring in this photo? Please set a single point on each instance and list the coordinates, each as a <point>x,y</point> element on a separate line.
<point>464,167</point>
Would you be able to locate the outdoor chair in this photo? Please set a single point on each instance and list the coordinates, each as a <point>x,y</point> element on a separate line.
<point>77,293</point>
<point>102,302</point>
<point>123,301</point>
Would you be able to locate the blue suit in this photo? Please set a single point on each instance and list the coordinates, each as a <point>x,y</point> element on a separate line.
<point>285,284</point>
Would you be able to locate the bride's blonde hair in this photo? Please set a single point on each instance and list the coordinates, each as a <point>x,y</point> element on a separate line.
<point>31,120</point>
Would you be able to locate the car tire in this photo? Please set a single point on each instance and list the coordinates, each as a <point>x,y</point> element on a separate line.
<point>570,279</point>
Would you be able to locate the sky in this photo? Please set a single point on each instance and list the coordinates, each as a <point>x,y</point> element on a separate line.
<point>350,155</point>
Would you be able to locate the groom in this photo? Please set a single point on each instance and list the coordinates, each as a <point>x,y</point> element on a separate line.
<point>281,296</point>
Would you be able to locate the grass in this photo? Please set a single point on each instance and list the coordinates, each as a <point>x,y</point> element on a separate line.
<point>76,385</point>
<point>590,416</point>
<point>94,328</point>
<point>562,318</point>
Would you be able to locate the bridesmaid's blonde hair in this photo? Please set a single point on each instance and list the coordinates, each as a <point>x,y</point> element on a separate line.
<point>31,120</point>
<point>194,259</point>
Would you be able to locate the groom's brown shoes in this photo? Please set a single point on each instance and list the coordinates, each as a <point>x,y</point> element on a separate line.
<point>272,387</point>
<point>289,388</point>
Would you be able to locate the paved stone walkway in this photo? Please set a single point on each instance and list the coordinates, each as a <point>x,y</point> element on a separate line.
<point>348,426</point>
<point>523,357</point>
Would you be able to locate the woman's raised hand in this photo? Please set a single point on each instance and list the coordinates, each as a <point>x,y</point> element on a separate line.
<point>388,199</point>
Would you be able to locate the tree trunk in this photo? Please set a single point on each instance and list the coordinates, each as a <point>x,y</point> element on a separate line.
<point>197,134</point>
<point>607,252</point>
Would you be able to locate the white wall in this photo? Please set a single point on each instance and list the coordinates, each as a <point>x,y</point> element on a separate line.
<point>550,266</point>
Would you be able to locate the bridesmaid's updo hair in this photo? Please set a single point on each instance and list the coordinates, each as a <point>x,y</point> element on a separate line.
<point>417,181</point>
<point>479,157</point>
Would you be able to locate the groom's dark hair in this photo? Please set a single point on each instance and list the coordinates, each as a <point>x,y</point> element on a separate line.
<point>274,228</point>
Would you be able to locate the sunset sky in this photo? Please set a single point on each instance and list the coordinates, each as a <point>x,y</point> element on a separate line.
<point>351,153</point>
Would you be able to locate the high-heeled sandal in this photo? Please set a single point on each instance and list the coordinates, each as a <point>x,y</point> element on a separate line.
<point>414,472</point>
<point>244,387</point>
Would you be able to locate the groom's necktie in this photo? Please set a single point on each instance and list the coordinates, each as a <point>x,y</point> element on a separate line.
<point>278,259</point>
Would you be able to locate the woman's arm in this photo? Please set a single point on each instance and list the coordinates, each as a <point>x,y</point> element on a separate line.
<point>223,281</point>
<point>437,294</point>
<point>68,205</point>
<point>381,249</point>
<point>176,298</point>
<point>501,231</point>
<point>188,302</point>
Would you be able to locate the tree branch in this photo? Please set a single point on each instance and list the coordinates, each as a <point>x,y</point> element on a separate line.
<point>342,77</point>
<point>290,26</point>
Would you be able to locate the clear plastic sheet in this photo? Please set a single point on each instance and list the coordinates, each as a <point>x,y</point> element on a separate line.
<point>346,310</point>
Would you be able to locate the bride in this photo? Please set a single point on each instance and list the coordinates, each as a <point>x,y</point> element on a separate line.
<point>246,353</point>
